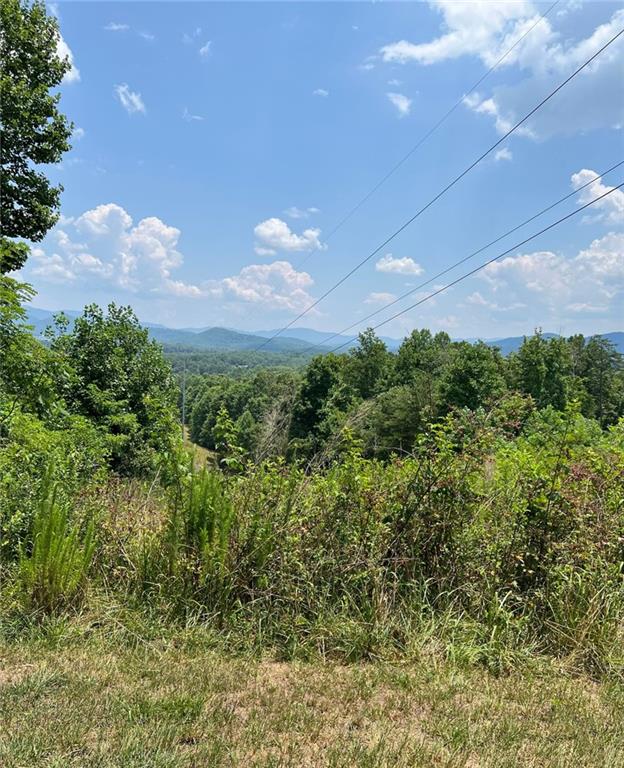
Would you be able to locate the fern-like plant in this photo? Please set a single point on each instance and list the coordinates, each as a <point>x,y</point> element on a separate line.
<point>200,525</point>
<point>53,572</point>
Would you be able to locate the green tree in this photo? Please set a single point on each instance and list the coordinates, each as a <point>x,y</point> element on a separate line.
<point>474,376</point>
<point>542,368</point>
<point>393,421</point>
<point>369,365</point>
<point>600,363</point>
<point>230,453</point>
<point>120,381</point>
<point>320,379</point>
<point>33,131</point>
<point>29,372</point>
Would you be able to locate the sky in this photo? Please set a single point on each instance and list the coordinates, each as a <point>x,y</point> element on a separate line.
<point>217,146</point>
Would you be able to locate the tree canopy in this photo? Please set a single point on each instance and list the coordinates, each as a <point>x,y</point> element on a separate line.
<point>33,130</point>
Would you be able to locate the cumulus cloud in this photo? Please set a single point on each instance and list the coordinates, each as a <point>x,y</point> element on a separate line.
<point>592,278</point>
<point>401,102</point>
<point>274,286</point>
<point>320,92</point>
<point>78,133</point>
<point>63,51</point>
<point>610,209</point>
<point>275,235</point>
<point>131,101</point>
<point>404,266</point>
<point>104,243</point>
<point>488,30</point>
<point>114,26</point>
<point>204,51</point>
<point>476,28</point>
<point>105,247</point>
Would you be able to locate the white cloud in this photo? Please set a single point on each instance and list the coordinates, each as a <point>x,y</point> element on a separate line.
<point>476,28</point>
<point>379,298</point>
<point>488,30</point>
<point>78,133</point>
<point>63,51</point>
<point>275,235</point>
<point>113,26</point>
<point>404,266</point>
<point>131,101</point>
<point>320,92</point>
<point>503,154</point>
<point>186,115</point>
<point>489,107</point>
<point>147,36</point>
<point>401,102</point>
<point>476,299</point>
<point>592,278</point>
<point>104,248</point>
<point>274,286</point>
<point>204,51</point>
<point>611,208</point>
<point>394,83</point>
<point>104,245</point>
<point>300,213</point>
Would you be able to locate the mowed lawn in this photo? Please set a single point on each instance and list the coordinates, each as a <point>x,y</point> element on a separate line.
<point>93,703</point>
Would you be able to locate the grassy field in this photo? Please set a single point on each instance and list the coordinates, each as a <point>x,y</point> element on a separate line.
<point>179,702</point>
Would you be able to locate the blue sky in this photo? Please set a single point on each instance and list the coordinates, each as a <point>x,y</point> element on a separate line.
<point>217,145</point>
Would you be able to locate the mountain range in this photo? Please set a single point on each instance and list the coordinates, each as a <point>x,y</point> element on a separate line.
<point>304,340</point>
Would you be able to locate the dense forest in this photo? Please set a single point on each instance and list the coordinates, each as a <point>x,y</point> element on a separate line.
<point>387,400</point>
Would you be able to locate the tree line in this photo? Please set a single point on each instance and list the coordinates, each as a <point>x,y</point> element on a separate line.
<point>388,399</point>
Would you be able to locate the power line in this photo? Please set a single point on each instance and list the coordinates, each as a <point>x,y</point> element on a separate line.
<point>467,258</point>
<point>442,192</point>
<point>485,264</point>
<point>433,128</point>
<point>474,271</point>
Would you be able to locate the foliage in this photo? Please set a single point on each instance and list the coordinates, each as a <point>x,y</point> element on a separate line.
<point>53,571</point>
<point>236,364</point>
<point>503,533</point>
<point>34,132</point>
<point>77,454</point>
<point>390,399</point>
<point>120,382</point>
<point>198,530</point>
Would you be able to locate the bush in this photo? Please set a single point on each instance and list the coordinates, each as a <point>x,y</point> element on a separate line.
<point>78,457</point>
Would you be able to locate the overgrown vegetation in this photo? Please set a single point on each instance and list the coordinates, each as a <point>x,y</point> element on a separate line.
<point>444,504</point>
<point>496,529</point>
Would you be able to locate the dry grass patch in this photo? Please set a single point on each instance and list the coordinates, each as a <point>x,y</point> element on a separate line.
<point>97,704</point>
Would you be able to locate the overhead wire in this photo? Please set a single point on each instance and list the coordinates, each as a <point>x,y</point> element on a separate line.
<point>433,128</point>
<point>445,189</point>
<point>485,264</point>
<point>456,264</point>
